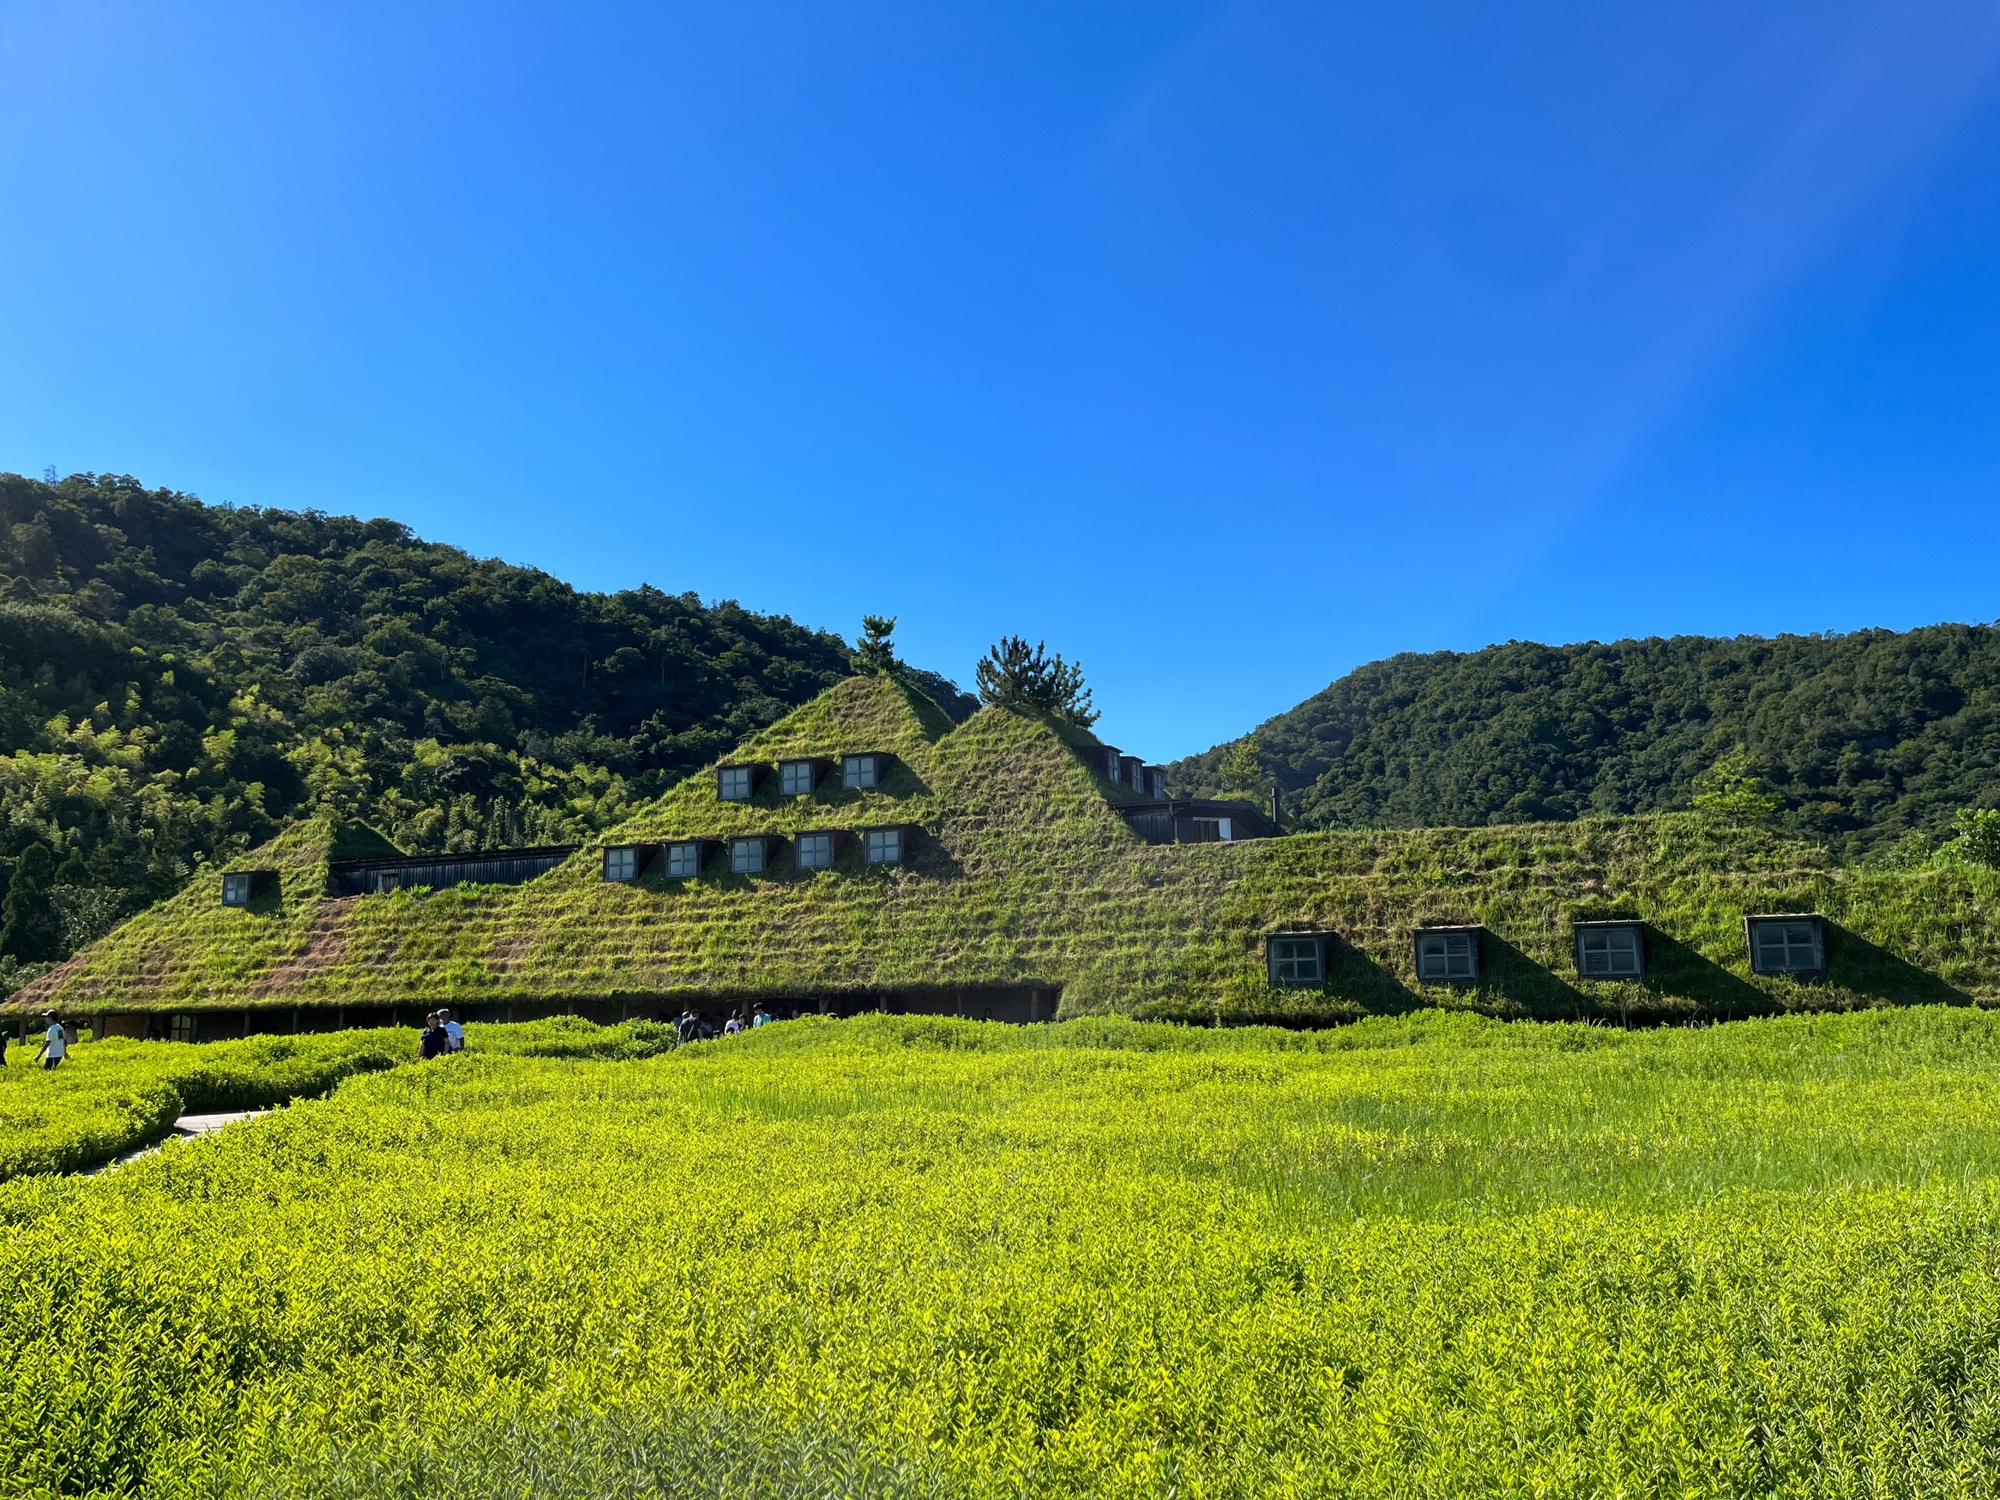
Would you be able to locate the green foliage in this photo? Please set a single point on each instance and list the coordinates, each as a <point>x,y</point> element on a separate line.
<point>113,1095</point>
<point>892,1257</point>
<point>1028,680</point>
<point>179,681</point>
<point>1862,737</point>
<point>1978,836</point>
<point>876,652</point>
<point>29,930</point>
<point>1021,872</point>
<point>1732,789</point>
<point>1241,769</point>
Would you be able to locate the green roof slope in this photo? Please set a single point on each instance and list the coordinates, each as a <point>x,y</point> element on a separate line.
<point>1022,872</point>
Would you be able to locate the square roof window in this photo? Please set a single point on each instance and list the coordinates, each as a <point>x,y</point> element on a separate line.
<point>735,783</point>
<point>1443,957</point>
<point>1296,958</point>
<point>746,856</point>
<point>797,778</point>
<point>860,773</point>
<point>1786,944</point>
<point>683,860</point>
<point>883,846</point>
<point>1610,951</point>
<point>815,851</point>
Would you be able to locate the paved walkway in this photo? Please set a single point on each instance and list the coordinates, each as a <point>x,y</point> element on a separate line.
<point>186,1128</point>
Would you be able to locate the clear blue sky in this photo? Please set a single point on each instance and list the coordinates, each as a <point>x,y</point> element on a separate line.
<point>1224,346</point>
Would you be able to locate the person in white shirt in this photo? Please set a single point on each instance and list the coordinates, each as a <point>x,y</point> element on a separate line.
<point>55,1045</point>
<point>454,1032</point>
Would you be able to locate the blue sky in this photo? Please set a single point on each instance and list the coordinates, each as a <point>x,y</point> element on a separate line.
<point>1225,346</point>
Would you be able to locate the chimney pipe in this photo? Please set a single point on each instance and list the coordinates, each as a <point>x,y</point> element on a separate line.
<point>1274,805</point>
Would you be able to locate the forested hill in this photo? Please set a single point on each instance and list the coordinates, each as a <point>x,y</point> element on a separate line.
<point>1862,737</point>
<point>178,680</point>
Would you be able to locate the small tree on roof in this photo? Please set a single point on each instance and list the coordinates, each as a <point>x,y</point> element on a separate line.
<point>1241,769</point>
<point>1029,680</point>
<point>876,655</point>
<point>1731,791</point>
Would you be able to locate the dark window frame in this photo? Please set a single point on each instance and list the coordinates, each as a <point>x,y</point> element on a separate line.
<point>1815,926</point>
<point>1606,927</point>
<point>1475,953</point>
<point>1273,961</point>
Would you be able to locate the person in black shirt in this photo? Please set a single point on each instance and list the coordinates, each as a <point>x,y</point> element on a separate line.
<point>436,1039</point>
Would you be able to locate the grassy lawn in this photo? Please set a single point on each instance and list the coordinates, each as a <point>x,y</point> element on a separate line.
<point>1433,1254</point>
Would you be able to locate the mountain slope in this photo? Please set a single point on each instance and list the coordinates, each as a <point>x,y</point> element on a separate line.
<point>177,681</point>
<point>1864,737</point>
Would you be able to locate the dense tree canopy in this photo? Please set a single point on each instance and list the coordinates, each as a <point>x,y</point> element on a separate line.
<point>178,680</point>
<point>1859,739</point>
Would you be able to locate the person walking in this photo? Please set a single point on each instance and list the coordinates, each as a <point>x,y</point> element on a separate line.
<point>55,1045</point>
<point>434,1039</point>
<point>454,1033</point>
<point>762,1018</point>
<point>685,1028</point>
<point>734,1025</point>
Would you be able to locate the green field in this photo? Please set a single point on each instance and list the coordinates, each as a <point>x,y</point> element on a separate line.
<point>1434,1255</point>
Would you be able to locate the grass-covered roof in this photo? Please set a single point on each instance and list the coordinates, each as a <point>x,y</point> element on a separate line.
<point>1021,871</point>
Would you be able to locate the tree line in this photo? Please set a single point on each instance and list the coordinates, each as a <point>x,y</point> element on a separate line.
<point>1868,742</point>
<point>179,680</point>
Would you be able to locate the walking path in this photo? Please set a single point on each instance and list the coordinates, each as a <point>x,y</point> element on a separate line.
<point>186,1128</point>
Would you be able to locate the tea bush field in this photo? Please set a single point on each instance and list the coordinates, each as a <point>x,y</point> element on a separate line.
<point>111,1096</point>
<point>1433,1255</point>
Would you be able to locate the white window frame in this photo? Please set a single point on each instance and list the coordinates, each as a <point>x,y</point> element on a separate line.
<point>1609,953</point>
<point>815,851</point>
<point>1795,938</point>
<point>1443,957</point>
<point>621,865</point>
<point>1297,959</point>
<point>860,773</point>
<point>790,772</point>
<point>883,846</point>
<point>733,776</point>
<point>684,859</point>
<point>748,856</point>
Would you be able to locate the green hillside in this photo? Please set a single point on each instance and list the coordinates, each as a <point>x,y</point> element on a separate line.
<point>179,681</point>
<point>1866,738</point>
<point>1022,873</point>
<point>927,1259</point>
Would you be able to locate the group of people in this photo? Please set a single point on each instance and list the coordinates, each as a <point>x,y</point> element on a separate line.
<point>693,1028</point>
<point>441,1035</point>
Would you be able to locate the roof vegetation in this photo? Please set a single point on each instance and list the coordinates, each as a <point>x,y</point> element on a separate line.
<point>1020,871</point>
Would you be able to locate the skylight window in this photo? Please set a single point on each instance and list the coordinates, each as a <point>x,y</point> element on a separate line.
<point>236,889</point>
<point>1609,952</point>
<point>1786,945</point>
<point>683,860</point>
<point>1446,956</point>
<point>621,864</point>
<point>797,778</point>
<point>884,846</point>
<point>746,856</point>
<point>859,773</point>
<point>815,851</point>
<point>735,783</point>
<point>1297,959</point>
